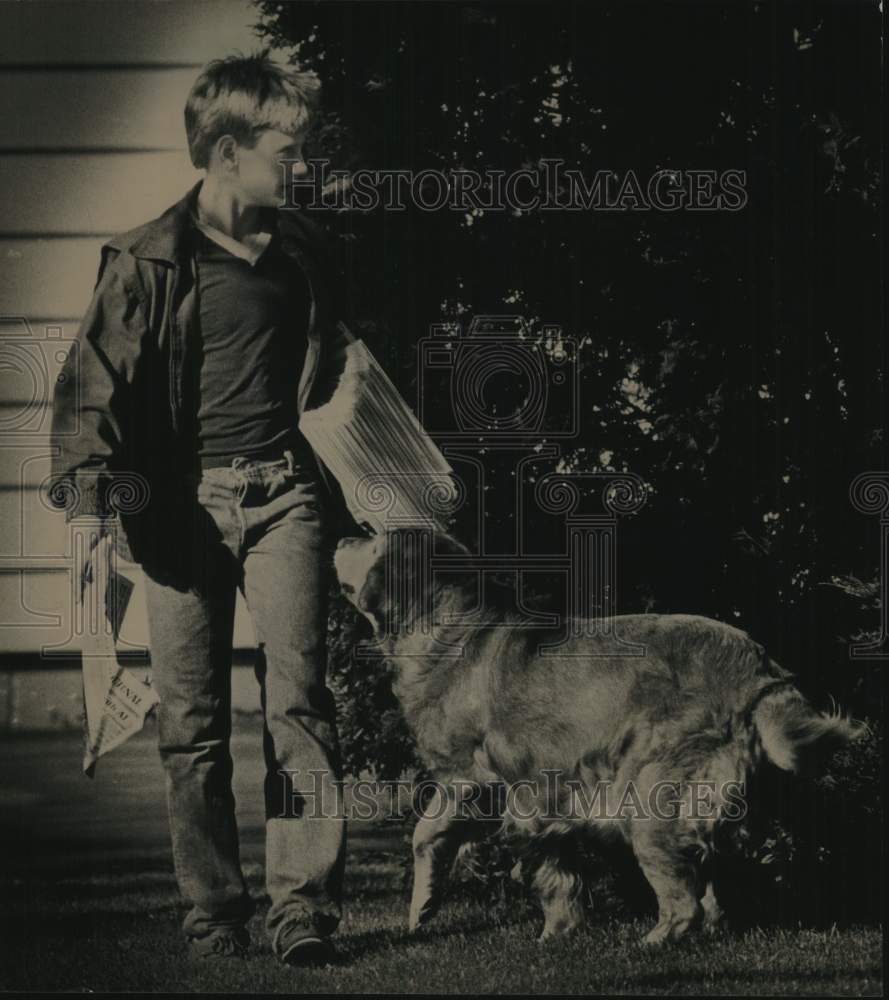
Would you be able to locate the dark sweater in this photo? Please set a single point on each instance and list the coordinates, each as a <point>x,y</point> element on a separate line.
<point>253,321</point>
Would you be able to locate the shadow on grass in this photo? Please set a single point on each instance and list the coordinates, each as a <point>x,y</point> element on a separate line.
<point>107,925</point>
<point>462,923</point>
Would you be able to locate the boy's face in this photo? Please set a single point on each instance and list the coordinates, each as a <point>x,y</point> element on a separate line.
<point>260,173</point>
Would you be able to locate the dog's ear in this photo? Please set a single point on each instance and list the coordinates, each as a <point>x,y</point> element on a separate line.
<point>372,599</point>
<point>370,595</point>
<point>398,587</point>
<point>404,559</point>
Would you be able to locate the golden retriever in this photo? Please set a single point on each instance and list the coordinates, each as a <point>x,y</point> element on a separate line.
<point>651,743</point>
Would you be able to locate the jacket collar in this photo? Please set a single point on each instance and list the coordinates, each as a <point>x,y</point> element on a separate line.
<point>169,237</point>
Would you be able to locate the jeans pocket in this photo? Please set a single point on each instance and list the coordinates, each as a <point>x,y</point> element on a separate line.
<point>222,503</point>
<point>309,507</point>
<point>296,505</point>
<point>306,503</point>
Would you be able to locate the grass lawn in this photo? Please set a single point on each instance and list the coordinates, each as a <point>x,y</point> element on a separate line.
<point>89,904</point>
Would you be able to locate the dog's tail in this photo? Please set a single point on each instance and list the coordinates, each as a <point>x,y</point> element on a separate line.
<point>791,731</point>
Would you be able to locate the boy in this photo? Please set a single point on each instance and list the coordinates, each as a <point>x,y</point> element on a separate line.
<point>208,330</point>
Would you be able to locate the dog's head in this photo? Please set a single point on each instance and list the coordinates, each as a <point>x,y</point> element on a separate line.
<point>385,575</point>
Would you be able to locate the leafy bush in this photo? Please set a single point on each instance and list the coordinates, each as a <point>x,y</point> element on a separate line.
<point>373,734</point>
<point>812,850</point>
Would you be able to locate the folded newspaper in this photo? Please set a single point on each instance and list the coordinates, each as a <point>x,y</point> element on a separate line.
<point>390,471</point>
<point>115,700</point>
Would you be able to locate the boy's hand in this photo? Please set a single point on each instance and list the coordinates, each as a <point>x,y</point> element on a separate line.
<point>96,528</point>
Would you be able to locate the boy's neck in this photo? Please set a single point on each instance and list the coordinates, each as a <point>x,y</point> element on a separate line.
<point>221,208</point>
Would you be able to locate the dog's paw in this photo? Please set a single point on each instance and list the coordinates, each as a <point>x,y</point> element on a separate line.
<point>658,935</point>
<point>671,930</point>
<point>713,919</point>
<point>420,915</point>
<point>559,929</point>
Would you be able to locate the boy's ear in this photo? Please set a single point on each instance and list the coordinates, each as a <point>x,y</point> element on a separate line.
<point>226,148</point>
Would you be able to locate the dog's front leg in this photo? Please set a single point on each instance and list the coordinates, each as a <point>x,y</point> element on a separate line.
<point>671,871</point>
<point>713,915</point>
<point>437,837</point>
<point>559,886</point>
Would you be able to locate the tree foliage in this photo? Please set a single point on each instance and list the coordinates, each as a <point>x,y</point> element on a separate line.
<point>730,358</point>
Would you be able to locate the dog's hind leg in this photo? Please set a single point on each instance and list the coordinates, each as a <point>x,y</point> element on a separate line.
<point>675,878</point>
<point>438,835</point>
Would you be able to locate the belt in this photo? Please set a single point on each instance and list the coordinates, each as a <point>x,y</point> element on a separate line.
<point>296,444</point>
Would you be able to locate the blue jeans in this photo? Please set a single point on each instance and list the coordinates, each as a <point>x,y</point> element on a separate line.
<point>257,526</point>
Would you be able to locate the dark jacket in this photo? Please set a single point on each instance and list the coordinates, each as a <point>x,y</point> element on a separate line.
<point>124,419</point>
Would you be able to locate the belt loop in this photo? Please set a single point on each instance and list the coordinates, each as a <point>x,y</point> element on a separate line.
<point>242,487</point>
<point>243,479</point>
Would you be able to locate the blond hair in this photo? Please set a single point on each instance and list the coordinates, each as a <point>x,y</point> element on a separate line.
<point>243,95</point>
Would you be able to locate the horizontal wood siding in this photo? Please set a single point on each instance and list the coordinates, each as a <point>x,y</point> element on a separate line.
<point>92,143</point>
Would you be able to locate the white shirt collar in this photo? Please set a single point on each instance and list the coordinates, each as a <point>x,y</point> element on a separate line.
<point>249,249</point>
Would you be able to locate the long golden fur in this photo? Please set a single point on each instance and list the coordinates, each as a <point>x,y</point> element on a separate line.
<point>586,741</point>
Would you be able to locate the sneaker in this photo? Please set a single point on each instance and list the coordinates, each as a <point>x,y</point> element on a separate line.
<point>233,943</point>
<point>306,947</point>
